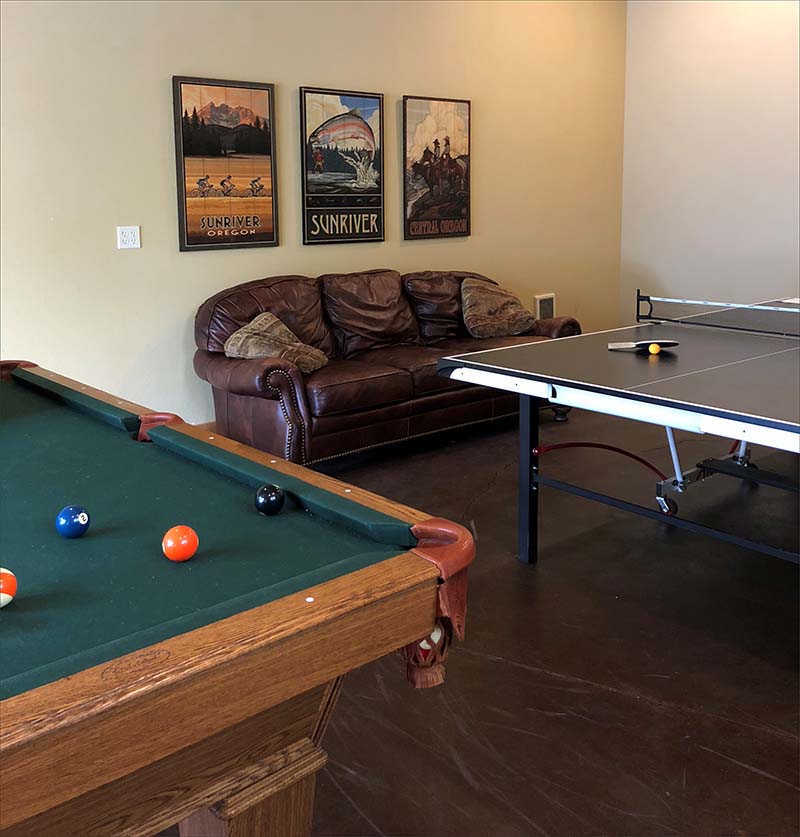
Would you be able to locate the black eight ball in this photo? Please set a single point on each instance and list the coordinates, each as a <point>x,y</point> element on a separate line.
<point>270,499</point>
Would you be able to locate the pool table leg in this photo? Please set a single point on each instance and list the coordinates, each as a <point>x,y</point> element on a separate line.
<point>281,803</point>
<point>287,812</point>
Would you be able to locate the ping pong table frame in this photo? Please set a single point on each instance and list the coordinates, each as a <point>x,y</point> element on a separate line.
<point>530,479</point>
<point>535,393</point>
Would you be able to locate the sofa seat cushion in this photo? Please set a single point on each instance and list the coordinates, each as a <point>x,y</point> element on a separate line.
<point>367,310</point>
<point>348,386</point>
<point>419,361</point>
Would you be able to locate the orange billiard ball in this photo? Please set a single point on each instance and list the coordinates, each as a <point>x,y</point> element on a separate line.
<point>180,543</point>
<point>8,586</point>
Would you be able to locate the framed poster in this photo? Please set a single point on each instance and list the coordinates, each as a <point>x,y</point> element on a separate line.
<point>225,160</point>
<point>341,134</point>
<point>436,162</point>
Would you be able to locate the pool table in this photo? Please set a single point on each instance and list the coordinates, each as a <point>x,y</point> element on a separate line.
<point>139,692</point>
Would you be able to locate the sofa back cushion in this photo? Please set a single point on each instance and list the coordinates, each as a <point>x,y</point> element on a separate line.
<point>295,300</point>
<point>435,297</point>
<point>367,310</point>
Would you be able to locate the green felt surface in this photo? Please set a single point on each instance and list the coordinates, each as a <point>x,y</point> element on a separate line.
<point>86,601</point>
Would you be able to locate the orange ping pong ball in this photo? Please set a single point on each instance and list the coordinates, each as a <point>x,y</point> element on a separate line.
<point>180,543</point>
<point>654,348</point>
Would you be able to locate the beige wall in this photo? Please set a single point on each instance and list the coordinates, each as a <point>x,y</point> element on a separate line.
<point>710,197</point>
<point>87,144</point>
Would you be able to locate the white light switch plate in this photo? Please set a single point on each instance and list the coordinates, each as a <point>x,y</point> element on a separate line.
<point>128,238</point>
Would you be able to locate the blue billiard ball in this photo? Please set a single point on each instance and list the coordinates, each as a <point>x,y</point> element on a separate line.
<point>72,521</point>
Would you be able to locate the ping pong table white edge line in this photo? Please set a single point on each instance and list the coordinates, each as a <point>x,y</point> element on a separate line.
<point>639,409</point>
<point>766,421</point>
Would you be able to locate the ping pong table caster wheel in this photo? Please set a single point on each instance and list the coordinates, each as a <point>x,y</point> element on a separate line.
<point>672,507</point>
<point>561,413</point>
<point>751,466</point>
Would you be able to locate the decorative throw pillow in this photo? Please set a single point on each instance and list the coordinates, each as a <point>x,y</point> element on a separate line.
<point>435,297</point>
<point>267,336</point>
<point>491,311</point>
<point>295,300</point>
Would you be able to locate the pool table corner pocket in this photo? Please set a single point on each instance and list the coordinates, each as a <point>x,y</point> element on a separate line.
<point>149,421</point>
<point>451,548</point>
<point>8,366</point>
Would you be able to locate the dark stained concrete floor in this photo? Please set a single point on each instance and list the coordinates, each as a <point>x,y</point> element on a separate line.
<point>640,680</point>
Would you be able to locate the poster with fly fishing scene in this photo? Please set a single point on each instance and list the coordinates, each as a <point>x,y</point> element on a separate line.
<point>342,165</point>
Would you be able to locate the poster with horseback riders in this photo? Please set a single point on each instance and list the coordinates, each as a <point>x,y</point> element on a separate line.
<point>342,155</point>
<point>436,167</point>
<point>225,157</point>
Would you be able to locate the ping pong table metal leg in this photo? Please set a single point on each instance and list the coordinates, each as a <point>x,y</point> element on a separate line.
<point>528,496</point>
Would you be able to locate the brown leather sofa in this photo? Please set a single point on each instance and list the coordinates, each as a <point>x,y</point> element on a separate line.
<point>383,333</point>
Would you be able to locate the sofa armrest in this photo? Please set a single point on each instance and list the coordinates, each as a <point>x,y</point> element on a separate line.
<point>262,378</point>
<point>557,327</point>
<point>273,379</point>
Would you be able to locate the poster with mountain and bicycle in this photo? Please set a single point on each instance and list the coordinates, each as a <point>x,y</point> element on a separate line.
<point>225,158</point>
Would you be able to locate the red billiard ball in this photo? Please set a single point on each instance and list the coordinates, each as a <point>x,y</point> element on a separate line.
<point>180,543</point>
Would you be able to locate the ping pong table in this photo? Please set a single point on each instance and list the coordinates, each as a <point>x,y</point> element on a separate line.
<point>734,373</point>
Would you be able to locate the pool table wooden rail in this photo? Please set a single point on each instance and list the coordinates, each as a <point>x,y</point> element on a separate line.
<point>116,722</point>
<point>226,718</point>
<point>8,366</point>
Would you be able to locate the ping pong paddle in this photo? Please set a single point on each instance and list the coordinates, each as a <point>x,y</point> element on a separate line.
<point>642,345</point>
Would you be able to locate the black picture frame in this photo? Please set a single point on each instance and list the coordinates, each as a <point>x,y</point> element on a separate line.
<point>231,144</point>
<point>342,173</point>
<point>437,194</point>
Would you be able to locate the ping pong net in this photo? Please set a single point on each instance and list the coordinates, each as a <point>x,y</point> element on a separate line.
<point>778,317</point>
